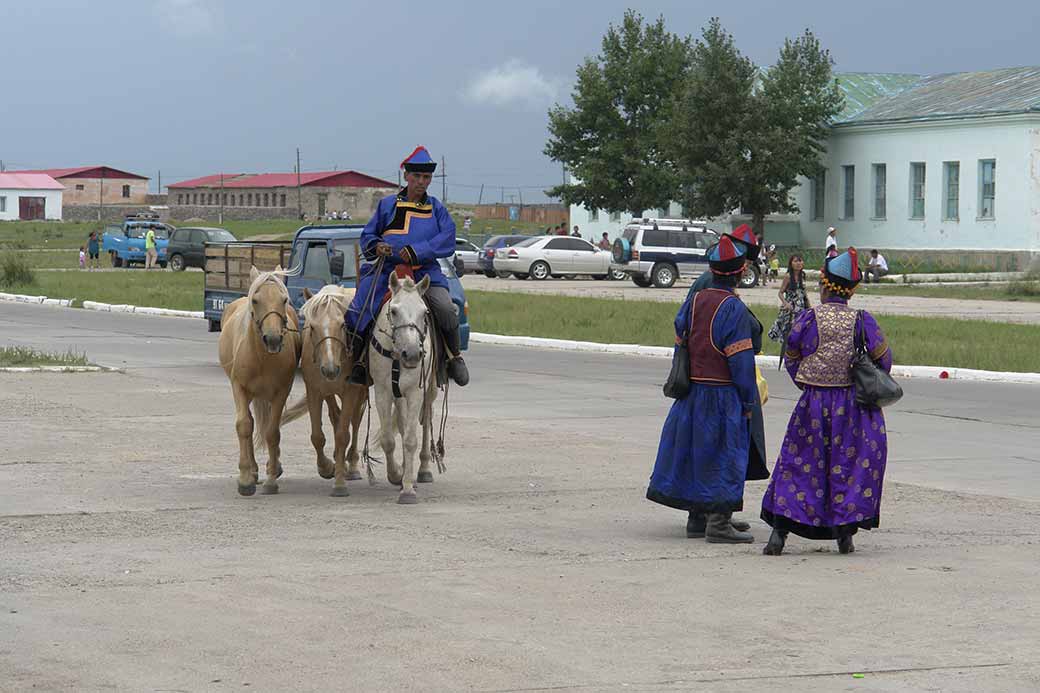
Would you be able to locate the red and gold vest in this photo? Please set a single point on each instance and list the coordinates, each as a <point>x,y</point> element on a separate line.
<point>708,363</point>
<point>829,365</point>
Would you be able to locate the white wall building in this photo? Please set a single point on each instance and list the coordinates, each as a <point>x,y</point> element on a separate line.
<point>592,224</point>
<point>945,162</point>
<point>29,196</point>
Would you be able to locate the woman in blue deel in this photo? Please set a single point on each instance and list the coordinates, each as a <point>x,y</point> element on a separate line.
<point>414,229</point>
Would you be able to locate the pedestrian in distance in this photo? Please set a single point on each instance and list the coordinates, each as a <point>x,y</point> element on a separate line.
<point>575,233</point>
<point>828,477</point>
<point>830,245</point>
<point>604,242</point>
<point>93,250</point>
<point>82,258</point>
<point>150,252</point>
<point>793,299</point>
<point>877,267</point>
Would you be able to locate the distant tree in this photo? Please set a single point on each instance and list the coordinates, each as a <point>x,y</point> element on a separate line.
<point>740,138</point>
<point>608,140</point>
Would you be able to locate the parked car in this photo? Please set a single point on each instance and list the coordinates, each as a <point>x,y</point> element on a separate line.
<point>469,254</point>
<point>187,246</point>
<point>542,257</point>
<point>493,245</point>
<point>659,251</point>
<point>125,242</point>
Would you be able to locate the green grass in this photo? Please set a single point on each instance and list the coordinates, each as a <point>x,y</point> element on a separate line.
<point>18,235</point>
<point>902,262</point>
<point>25,356</point>
<point>51,259</point>
<point>179,290</point>
<point>1028,290</point>
<point>915,341</point>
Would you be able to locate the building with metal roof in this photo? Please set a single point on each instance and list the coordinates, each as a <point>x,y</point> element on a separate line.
<point>89,186</point>
<point>29,196</point>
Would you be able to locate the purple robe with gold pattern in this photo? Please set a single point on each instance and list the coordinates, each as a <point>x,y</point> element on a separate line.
<point>828,477</point>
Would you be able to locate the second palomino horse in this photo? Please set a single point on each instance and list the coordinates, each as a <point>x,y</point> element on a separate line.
<point>402,364</point>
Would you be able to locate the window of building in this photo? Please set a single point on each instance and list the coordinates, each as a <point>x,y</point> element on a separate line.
<point>265,200</point>
<point>615,216</point>
<point>880,191</point>
<point>951,190</point>
<point>849,176</point>
<point>224,199</point>
<point>593,215</point>
<point>126,191</point>
<point>249,199</point>
<point>3,203</point>
<point>987,188</point>
<point>79,186</point>
<point>241,200</point>
<point>194,198</point>
<point>917,178</point>
<point>283,199</point>
<point>819,195</point>
<point>180,199</point>
<point>231,200</point>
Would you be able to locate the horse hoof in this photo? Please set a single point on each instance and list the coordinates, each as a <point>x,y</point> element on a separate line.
<point>425,477</point>
<point>354,476</point>
<point>269,489</point>
<point>326,473</point>
<point>339,492</point>
<point>407,499</point>
<point>247,490</point>
<point>280,470</point>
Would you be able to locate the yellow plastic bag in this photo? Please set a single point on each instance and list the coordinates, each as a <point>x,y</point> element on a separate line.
<point>763,386</point>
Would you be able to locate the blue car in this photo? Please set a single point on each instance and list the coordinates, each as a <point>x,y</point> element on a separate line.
<point>124,242</point>
<point>486,259</point>
<point>324,254</point>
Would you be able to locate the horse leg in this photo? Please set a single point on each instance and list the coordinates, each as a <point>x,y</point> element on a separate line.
<point>409,418</point>
<point>387,432</point>
<point>356,415</point>
<point>425,475</point>
<point>318,436</point>
<point>340,430</point>
<point>247,469</point>
<point>273,437</point>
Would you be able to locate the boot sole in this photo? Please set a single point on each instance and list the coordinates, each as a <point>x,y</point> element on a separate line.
<point>727,540</point>
<point>694,535</point>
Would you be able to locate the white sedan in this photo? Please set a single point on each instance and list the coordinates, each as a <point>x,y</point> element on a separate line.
<point>542,257</point>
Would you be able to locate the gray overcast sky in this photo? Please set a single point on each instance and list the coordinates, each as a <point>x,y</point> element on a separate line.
<point>192,87</point>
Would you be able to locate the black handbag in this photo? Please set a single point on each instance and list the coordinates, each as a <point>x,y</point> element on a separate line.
<point>874,387</point>
<point>678,384</point>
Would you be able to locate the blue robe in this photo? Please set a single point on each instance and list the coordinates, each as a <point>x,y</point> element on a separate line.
<point>425,227</point>
<point>702,458</point>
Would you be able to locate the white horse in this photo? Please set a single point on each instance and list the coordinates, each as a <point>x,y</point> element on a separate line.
<point>402,364</point>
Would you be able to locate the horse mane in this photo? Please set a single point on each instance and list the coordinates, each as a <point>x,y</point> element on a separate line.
<point>329,295</point>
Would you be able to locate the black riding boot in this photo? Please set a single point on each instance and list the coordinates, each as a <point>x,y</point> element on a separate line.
<point>775,545</point>
<point>359,372</point>
<point>721,531</point>
<point>845,544</point>
<point>698,522</point>
<point>457,369</point>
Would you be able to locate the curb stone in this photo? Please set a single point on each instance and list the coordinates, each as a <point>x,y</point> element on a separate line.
<point>966,374</point>
<point>59,369</point>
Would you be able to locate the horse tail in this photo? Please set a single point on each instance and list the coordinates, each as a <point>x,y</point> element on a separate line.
<point>261,419</point>
<point>295,410</point>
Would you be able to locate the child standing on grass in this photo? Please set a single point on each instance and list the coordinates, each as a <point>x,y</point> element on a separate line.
<point>82,258</point>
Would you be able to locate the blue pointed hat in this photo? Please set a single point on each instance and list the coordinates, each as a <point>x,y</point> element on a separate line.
<point>419,161</point>
<point>841,273</point>
<point>727,257</point>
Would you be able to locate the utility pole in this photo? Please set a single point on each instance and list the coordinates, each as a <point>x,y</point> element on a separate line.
<point>101,195</point>
<point>521,194</point>
<point>220,215</point>
<point>1,165</point>
<point>159,191</point>
<point>299,189</point>
<point>480,198</point>
<point>503,190</point>
<point>444,182</point>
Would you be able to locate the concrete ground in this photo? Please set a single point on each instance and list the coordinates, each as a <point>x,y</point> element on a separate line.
<point>129,562</point>
<point>1023,312</point>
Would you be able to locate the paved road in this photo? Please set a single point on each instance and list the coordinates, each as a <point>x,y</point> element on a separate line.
<point>1022,312</point>
<point>128,562</point>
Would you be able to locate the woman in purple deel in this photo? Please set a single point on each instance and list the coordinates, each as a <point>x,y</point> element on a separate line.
<point>828,478</point>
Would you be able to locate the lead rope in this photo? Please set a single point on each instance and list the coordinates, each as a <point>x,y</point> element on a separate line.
<point>365,306</point>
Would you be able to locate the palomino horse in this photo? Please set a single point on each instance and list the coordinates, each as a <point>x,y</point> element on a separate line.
<point>326,364</point>
<point>404,396</point>
<point>259,349</point>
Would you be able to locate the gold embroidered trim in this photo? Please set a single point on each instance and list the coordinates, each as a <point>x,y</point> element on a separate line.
<point>737,347</point>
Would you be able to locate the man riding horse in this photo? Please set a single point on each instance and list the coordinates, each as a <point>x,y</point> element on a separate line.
<point>409,231</point>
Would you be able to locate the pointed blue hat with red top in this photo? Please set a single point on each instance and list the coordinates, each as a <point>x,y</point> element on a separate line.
<point>746,237</point>
<point>841,273</point>
<point>727,257</point>
<point>419,161</point>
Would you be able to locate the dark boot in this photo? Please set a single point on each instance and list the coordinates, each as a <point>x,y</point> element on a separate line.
<point>721,531</point>
<point>845,544</point>
<point>739,525</point>
<point>775,545</point>
<point>457,369</point>
<point>695,525</point>
<point>359,371</point>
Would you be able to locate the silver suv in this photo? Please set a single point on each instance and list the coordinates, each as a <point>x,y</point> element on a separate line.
<point>659,251</point>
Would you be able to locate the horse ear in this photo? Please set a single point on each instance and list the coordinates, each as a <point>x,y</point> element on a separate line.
<point>253,274</point>
<point>423,285</point>
<point>307,294</point>
<point>394,283</point>
<point>278,268</point>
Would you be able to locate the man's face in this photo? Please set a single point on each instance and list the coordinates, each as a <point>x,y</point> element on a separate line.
<point>418,182</point>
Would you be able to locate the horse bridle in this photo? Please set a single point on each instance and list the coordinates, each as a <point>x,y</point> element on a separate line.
<point>393,332</point>
<point>334,338</point>
<point>282,316</point>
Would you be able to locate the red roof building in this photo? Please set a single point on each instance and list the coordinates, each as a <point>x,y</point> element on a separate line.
<point>91,185</point>
<point>29,196</point>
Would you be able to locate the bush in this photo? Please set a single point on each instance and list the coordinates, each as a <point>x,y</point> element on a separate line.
<point>15,271</point>
<point>1023,288</point>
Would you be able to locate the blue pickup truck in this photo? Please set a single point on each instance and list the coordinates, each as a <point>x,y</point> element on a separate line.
<point>124,242</point>
<point>324,254</point>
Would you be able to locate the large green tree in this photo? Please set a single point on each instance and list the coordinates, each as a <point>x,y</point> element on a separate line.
<point>739,137</point>
<point>609,139</point>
